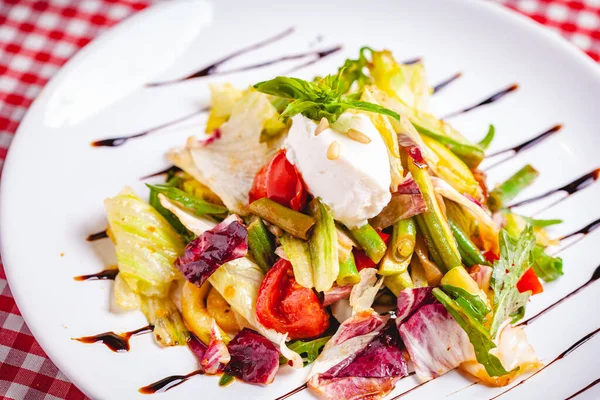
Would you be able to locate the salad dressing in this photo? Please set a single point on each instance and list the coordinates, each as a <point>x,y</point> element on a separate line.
<point>292,392</point>
<point>97,236</point>
<point>493,98</point>
<point>446,82</point>
<point>117,342</point>
<point>169,382</point>
<point>170,170</point>
<point>107,274</point>
<point>570,188</point>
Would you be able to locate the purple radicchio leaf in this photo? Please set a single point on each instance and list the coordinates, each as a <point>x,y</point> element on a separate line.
<point>336,293</point>
<point>204,255</point>
<point>216,356</point>
<point>410,300</point>
<point>197,347</point>
<point>254,359</point>
<point>381,358</point>
<point>435,342</point>
<point>407,201</point>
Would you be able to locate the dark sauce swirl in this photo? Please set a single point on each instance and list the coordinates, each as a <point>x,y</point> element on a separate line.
<point>117,342</point>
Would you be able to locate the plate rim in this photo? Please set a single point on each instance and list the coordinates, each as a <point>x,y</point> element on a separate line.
<point>507,15</point>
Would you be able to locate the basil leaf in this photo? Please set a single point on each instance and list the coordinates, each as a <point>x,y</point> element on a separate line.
<point>515,256</point>
<point>291,88</point>
<point>479,337</point>
<point>470,303</point>
<point>170,217</point>
<point>365,106</point>
<point>201,207</point>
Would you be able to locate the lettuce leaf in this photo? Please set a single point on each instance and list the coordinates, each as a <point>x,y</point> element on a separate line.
<point>545,266</point>
<point>146,244</point>
<point>515,258</point>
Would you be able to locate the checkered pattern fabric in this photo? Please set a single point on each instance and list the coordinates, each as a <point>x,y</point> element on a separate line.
<point>38,37</point>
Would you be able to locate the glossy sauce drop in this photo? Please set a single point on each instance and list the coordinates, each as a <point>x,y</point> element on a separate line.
<point>493,98</point>
<point>117,342</point>
<point>120,140</point>
<point>97,236</point>
<point>167,383</point>
<point>446,82</point>
<point>570,188</point>
<point>107,274</point>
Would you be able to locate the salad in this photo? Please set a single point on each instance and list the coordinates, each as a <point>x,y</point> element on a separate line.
<point>335,225</point>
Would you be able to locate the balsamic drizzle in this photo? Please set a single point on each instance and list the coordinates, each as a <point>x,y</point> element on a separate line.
<point>120,140</point>
<point>170,170</point>
<point>117,342</point>
<point>320,54</point>
<point>411,61</point>
<point>570,188</point>
<point>446,82</point>
<point>107,274</point>
<point>211,69</point>
<point>594,278</point>
<point>169,382</point>
<point>495,97</point>
<point>97,236</point>
<point>292,392</point>
<point>411,389</point>
<point>591,385</point>
<point>589,228</point>
<point>524,146</point>
<point>562,355</point>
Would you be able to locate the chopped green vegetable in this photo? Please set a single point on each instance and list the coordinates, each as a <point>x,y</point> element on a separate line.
<point>169,329</point>
<point>170,217</point>
<point>508,190</point>
<point>479,337</point>
<point>226,379</point>
<point>261,244</point>
<point>469,253</point>
<point>323,247</point>
<point>309,350</point>
<point>470,303</point>
<point>324,99</point>
<point>487,140</point>
<point>433,224</point>
<point>369,240</point>
<point>298,252</point>
<point>200,206</point>
<point>541,223</point>
<point>348,274</point>
<point>399,282</point>
<point>352,71</point>
<point>401,248</point>
<point>146,244</point>
<point>515,255</point>
<point>546,267</point>
<point>293,222</point>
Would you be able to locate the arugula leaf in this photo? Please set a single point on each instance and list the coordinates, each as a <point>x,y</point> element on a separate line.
<point>485,142</point>
<point>545,266</point>
<point>308,350</point>
<point>322,99</point>
<point>479,337</point>
<point>470,303</point>
<point>515,258</point>
<point>201,207</point>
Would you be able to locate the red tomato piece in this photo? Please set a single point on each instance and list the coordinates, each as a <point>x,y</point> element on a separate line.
<point>280,181</point>
<point>363,261</point>
<point>282,304</point>
<point>530,281</point>
<point>490,256</point>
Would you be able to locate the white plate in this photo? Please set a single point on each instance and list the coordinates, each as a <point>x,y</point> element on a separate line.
<point>54,181</point>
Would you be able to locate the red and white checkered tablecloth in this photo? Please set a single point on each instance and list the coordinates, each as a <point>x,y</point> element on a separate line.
<point>38,36</point>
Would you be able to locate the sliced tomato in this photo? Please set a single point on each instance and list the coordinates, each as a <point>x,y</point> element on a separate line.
<point>363,261</point>
<point>280,181</point>
<point>490,256</point>
<point>282,304</point>
<point>530,282</point>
